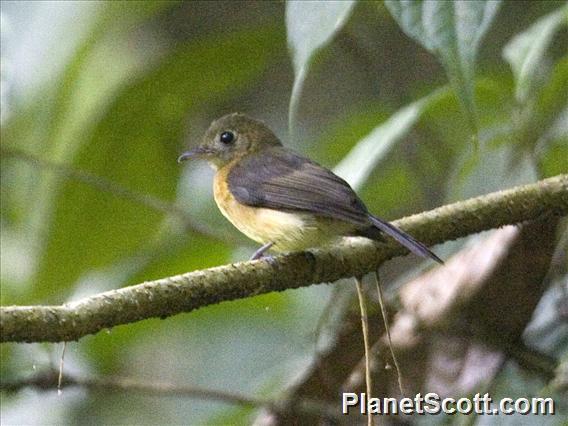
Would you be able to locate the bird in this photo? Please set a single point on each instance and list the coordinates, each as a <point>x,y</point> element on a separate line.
<point>281,199</point>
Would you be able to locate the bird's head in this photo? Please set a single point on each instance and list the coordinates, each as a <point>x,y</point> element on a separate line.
<point>231,137</point>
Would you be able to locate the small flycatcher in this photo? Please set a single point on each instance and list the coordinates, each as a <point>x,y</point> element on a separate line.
<point>280,199</point>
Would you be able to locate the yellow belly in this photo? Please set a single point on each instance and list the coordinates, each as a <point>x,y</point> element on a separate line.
<point>288,231</point>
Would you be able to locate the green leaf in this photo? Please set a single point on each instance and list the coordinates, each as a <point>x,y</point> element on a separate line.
<point>52,118</point>
<point>452,31</point>
<point>555,160</point>
<point>493,169</point>
<point>310,25</point>
<point>526,51</point>
<point>358,164</point>
<point>72,107</point>
<point>551,100</point>
<point>135,145</point>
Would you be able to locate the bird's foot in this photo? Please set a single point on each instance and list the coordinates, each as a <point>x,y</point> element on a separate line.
<point>270,259</point>
<point>260,252</point>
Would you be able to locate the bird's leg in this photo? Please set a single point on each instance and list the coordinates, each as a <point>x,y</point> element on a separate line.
<point>260,252</point>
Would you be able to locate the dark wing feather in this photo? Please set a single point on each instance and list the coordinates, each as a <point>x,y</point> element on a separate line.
<point>281,179</point>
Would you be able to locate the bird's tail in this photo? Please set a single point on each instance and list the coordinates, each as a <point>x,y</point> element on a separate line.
<point>403,238</point>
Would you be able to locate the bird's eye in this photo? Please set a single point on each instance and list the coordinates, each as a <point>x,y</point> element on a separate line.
<point>227,137</point>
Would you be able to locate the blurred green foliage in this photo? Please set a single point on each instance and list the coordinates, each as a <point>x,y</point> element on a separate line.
<point>143,81</point>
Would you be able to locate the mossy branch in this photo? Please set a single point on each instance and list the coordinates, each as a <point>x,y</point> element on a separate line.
<point>354,257</point>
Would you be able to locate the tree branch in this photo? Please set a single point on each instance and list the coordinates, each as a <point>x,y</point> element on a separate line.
<point>354,257</point>
<point>49,380</point>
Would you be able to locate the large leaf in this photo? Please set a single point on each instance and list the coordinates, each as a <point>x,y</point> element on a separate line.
<point>310,25</point>
<point>356,166</point>
<point>71,107</point>
<point>554,158</point>
<point>545,116</point>
<point>452,31</point>
<point>135,144</point>
<point>526,51</point>
<point>52,116</point>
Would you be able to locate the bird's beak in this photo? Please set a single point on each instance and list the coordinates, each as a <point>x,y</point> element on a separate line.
<point>198,152</point>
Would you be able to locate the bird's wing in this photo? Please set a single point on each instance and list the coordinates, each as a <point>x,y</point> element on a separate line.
<point>281,179</point>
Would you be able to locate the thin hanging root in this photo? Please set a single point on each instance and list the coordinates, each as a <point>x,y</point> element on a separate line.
<point>387,329</point>
<point>365,328</point>
<point>325,315</point>
<point>61,363</point>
